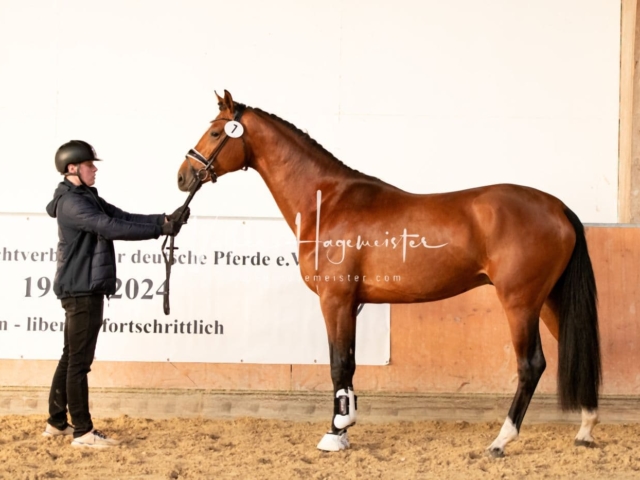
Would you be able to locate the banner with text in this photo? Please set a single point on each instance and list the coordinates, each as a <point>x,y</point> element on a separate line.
<point>236,296</point>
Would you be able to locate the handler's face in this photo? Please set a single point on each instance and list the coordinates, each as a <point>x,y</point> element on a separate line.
<point>87,172</point>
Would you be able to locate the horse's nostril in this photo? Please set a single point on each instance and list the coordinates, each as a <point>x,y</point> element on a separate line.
<point>180,178</point>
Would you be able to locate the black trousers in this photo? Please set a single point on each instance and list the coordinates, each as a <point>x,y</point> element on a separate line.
<point>70,386</point>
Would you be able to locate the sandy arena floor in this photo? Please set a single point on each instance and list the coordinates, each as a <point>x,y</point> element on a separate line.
<point>251,448</point>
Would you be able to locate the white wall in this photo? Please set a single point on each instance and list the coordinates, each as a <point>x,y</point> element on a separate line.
<point>428,95</point>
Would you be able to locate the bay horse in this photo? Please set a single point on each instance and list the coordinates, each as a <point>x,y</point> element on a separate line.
<point>352,228</point>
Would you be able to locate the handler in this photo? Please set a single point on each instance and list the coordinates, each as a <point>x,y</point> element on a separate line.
<point>86,272</point>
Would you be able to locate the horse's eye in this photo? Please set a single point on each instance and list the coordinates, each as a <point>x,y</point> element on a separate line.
<point>215,134</point>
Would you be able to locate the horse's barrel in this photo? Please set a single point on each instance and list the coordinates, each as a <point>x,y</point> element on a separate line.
<point>74,151</point>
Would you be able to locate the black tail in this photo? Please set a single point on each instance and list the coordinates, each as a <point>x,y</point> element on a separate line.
<point>579,368</point>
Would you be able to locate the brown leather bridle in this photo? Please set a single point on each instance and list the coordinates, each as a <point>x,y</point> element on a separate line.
<point>209,174</point>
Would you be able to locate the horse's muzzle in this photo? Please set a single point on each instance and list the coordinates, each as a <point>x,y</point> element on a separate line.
<point>183,183</point>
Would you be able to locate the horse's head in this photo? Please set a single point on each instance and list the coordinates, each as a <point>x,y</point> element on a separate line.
<point>220,150</point>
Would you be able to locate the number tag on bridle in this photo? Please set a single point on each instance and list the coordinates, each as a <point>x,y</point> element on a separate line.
<point>234,129</point>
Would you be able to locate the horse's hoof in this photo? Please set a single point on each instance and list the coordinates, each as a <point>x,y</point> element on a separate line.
<point>584,443</point>
<point>334,443</point>
<point>496,452</point>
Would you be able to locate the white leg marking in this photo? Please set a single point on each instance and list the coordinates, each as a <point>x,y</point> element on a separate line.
<point>589,420</point>
<point>508,432</point>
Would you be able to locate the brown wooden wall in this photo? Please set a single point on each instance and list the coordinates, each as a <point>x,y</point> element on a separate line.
<point>456,345</point>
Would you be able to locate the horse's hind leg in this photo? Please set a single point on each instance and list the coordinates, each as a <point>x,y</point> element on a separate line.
<point>589,420</point>
<point>340,319</point>
<point>551,319</point>
<point>525,335</point>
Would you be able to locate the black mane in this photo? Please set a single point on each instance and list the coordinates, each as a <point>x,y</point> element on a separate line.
<point>300,133</point>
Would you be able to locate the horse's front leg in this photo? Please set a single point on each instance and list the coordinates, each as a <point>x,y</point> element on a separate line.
<point>340,319</point>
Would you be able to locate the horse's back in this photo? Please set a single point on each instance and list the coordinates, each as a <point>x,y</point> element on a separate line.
<point>499,234</point>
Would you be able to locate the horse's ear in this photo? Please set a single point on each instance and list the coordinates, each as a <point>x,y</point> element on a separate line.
<point>228,102</point>
<point>221,105</point>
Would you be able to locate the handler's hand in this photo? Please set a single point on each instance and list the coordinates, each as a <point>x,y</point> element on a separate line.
<point>171,228</point>
<point>174,216</point>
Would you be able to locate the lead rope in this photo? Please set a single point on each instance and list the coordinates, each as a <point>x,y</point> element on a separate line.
<point>168,259</point>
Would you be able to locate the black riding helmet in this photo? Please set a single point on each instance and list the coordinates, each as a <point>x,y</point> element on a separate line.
<point>75,151</point>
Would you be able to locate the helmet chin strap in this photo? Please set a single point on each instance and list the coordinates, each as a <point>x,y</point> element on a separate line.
<point>77,174</point>
<point>69,174</point>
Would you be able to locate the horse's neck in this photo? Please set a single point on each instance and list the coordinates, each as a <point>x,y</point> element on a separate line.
<point>294,169</point>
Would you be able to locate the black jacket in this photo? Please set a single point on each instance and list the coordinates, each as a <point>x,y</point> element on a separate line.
<point>87,226</point>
